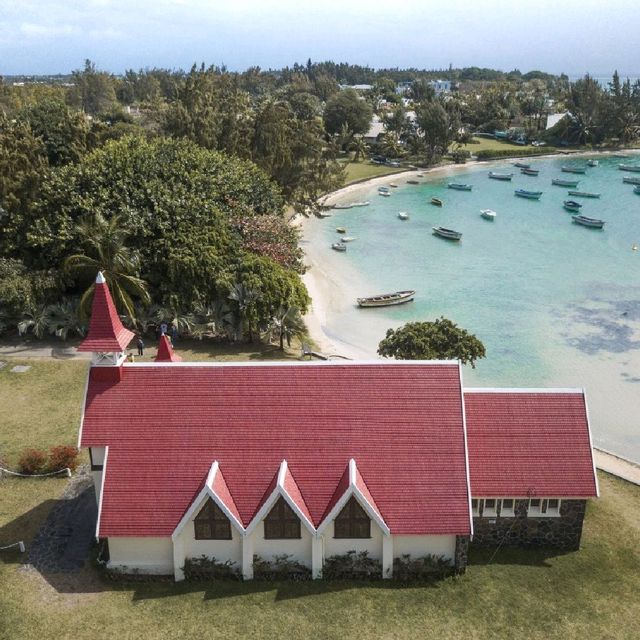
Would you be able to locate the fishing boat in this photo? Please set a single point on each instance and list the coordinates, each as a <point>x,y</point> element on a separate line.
<point>530,172</point>
<point>594,223</point>
<point>347,239</point>
<point>629,167</point>
<point>522,165</point>
<point>500,176</point>
<point>393,185</point>
<point>636,189</point>
<point>631,180</point>
<point>387,299</point>
<point>448,234</point>
<point>338,246</point>
<point>383,189</point>
<point>341,230</point>
<point>384,194</point>
<point>412,182</point>
<point>459,186</point>
<point>488,214</point>
<point>584,194</point>
<point>403,215</point>
<point>436,201</point>
<point>419,175</point>
<point>324,214</point>
<point>574,169</point>
<point>343,206</point>
<point>366,203</point>
<point>572,205</point>
<point>531,195</point>
<point>592,163</point>
<point>565,183</point>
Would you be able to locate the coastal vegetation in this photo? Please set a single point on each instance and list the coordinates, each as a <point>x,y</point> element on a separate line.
<point>437,340</point>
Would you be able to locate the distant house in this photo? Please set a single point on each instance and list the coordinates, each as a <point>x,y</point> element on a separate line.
<point>313,460</point>
<point>554,118</point>
<point>376,129</point>
<point>357,87</point>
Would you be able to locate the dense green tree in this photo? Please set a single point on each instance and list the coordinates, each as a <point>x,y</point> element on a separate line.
<point>93,90</point>
<point>438,340</point>
<point>22,290</point>
<point>435,129</point>
<point>347,108</point>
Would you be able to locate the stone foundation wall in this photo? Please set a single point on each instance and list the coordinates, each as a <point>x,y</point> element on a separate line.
<point>563,532</point>
<point>461,554</point>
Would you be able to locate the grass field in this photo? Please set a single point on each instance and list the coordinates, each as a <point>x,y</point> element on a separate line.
<point>592,593</point>
<point>491,143</point>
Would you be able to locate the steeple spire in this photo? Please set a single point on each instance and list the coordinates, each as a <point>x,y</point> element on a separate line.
<point>165,351</point>
<point>106,331</point>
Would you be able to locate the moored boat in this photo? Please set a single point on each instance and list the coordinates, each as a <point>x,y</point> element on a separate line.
<point>631,180</point>
<point>488,214</point>
<point>574,169</point>
<point>500,176</point>
<point>387,299</point>
<point>403,215</point>
<point>393,185</point>
<point>384,194</point>
<point>584,194</point>
<point>565,183</point>
<point>629,167</point>
<point>572,205</point>
<point>413,182</point>
<point>531,195</point>
<point>636,189</point>
<point>448,234</point>
<point>594,223</point>
<point>343,206</point>
<point>522,165</point>
<point>366,203</point>
<point>592,163</point>
<point>338,246</point>
<point>347,239</point>
<point>459,186</point>
<point>436,201</point>
<point>341,230</point>
<point>383,189</point>
<point>527,171</point>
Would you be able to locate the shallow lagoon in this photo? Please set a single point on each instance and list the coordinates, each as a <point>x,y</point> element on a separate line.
<point>555,304</point>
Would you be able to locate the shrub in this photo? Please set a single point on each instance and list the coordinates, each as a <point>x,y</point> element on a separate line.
<point>459,156</point>
<point>427,567</point>
<point>280,568</point>
<point>204,568</point>
<point>490,154</point>
<point>352,566</point>
<point>61,457</point>
<point>32,461</point>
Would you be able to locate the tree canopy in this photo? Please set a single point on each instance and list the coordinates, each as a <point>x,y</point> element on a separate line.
<point>347,108</point>
<point>437,340</point>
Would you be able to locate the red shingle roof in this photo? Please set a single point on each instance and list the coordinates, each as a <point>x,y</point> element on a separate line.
<point>165,424</point>
<point>529,443</point>
<point>165,351</point>
<point>106,332</point>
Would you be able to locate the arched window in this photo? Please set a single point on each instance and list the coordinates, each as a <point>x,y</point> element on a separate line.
<point>211,523</point>
<point>352,522</point>
<point>281,522</point>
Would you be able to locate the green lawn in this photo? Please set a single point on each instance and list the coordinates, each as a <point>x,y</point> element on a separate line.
<point>365,169</point>
<point>592,593</point>
<point>491,143</point>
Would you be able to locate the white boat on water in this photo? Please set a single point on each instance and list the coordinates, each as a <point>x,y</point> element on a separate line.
<point>447,234</point>
<point>366,203</point>
<point>629,167</point>
<point>383,189</point>
<point>347,239</point>
<point>351,205</point>
<point>488,214</point>
<point>403,215</point>
<point>593,223</point>
<point>592,163</point>
<point>387,299</point>
<point>338,246</point>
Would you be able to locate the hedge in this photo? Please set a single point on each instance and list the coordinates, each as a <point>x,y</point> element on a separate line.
<point>490,154</point>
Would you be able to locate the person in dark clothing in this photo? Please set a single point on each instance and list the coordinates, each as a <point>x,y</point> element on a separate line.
<point>140,346</point>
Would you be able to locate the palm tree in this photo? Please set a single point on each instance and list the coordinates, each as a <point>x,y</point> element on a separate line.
<point>287,324</point>
<point>34,320</point>
<point>106,251</point>
<point>360,147</point>
<point>245,298</point>
<point>63,318</point>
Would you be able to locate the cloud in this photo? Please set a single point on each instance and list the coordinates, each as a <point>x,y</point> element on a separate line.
<point>34,30</point>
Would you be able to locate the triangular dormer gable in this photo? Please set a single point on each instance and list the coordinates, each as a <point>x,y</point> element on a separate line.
<point>357,488</point>
<point>166,352</point>
<point>106,332</point>
<point>214,488</point>
<point>286,487</point>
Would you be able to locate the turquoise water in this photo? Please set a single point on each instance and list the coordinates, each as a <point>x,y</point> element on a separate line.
<point>555,304</point>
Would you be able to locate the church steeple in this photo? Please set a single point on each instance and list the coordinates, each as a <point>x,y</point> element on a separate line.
<point>107,337</point>
<point>165,351</point>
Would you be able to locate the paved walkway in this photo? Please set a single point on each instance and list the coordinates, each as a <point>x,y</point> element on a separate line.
<point>28,350</point>
<point>617,466</point>
<point>63,543</point>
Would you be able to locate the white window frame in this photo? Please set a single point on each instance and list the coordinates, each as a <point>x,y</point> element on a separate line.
<point>475,511</point>
<point>508,512</point>
<point>543,511</point>
<point>490,512</point>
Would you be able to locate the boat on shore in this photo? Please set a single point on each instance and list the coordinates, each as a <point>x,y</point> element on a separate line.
<point>387,299</point>
<point>584,194</point>
<point>631,180</point>
<point>574,169</point>
<point>403,215</point>
<point>592,163</point>
<point>629,167</point>
<point>522,165</point>
<point>458,186</point>
<point>324,214</point>
<point>527,171</point>
<point>436,201</point>
<point>593,223</point>
<point>531,195</point>
<point>351,205</point>
<point>564,183</point>
<point>500,176</point>
<point>488,214</point>
<point>572,205</point>
<point>341,230</point>
<point>393,185</point>
<point>447,234</point>
<point>338,246</point>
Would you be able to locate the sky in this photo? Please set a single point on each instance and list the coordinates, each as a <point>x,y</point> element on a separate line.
<point>571,36</point>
